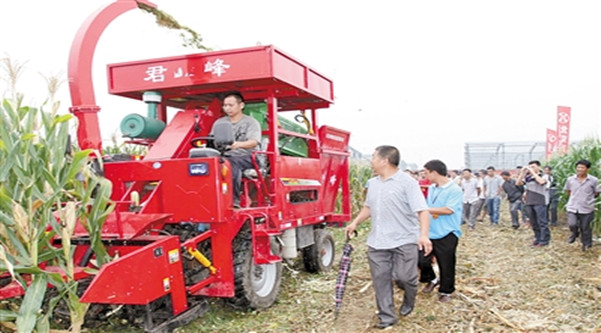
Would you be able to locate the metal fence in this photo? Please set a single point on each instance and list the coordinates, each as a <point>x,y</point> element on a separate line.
<point>502,155</point>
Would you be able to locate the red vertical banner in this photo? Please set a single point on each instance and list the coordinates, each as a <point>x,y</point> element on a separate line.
<point>564,114</point>
<point>551,143</point>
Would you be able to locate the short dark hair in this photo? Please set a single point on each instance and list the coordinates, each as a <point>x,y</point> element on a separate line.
<point>468,170</point>
<point>537,162</point>
<point>505,173</point>
<point>491,168</point>
<point>548,167</point>
<point>235,94</point>
<point>390,153</point>
<point>438,166</point>
<point>586,163</point>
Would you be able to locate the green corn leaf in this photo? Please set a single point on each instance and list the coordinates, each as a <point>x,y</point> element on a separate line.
<point>10,112</point>
<point>6,315</point>
<point>27,269</point>
<point>5,263</point>
<point>32,302</point>
<point>22,112</point>
<point>28,136</point>
<point>47,121</point>
<point>12,159</point>
<point>50,253</point>
<point>51,180</point>
<point>22,255</point>
<point>97,216</point>
<point>43,324</point>
<point>91,271</point>
<point>78,162</point>
<point>59,283</point>
<point>62,119</point>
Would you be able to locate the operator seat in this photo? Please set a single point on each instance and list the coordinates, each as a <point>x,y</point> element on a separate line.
<point>204,152</point>
<point>254,192</point>
<point>261,160</point>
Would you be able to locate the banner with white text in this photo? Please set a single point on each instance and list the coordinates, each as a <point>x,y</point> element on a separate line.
<point>564,115</point>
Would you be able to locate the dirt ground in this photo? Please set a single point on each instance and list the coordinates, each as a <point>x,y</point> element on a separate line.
<point>503,285</point>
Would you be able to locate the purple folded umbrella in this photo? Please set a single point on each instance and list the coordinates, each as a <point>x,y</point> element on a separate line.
<point>343,272</point>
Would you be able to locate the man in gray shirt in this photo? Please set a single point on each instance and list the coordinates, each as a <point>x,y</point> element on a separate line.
<point>247,135</point>
<point>492,188</point>
<point>399,228</point>
<point>582,189</point>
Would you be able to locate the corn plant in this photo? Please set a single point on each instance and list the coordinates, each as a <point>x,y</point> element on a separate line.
<point>359,174</point>
<point>116,148</point>
<point>564,166</point>
<point>12,70</point>
<point>44,191</point>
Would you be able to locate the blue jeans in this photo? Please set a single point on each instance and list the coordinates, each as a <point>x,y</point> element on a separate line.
<point>540,224</point>
<point>513,210</point>
<point>492,206</point>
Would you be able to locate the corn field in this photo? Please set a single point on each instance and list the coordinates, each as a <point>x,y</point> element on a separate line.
<point>359,174</point>
<point>45,188</point>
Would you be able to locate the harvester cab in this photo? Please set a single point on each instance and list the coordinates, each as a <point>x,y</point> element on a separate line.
<point>174,226</point>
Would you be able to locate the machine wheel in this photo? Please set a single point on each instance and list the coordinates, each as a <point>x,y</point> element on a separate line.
<point>319,257</point>
<point>257,286</point>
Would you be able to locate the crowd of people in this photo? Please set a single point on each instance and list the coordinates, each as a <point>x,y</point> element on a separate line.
<point>417,216</point>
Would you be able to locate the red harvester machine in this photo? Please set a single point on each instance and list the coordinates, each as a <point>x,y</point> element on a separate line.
<point>175,235</point>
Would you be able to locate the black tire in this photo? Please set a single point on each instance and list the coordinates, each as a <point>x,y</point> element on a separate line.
<point>257,286</point>
<point>319,257</point>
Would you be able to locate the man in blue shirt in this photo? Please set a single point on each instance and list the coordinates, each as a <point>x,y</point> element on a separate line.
<point>445,207</point>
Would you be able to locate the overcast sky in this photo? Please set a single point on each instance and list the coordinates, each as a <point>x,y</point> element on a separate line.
<point>425,76</point>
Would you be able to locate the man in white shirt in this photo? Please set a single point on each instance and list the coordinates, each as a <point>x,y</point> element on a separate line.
<point>471,191</point>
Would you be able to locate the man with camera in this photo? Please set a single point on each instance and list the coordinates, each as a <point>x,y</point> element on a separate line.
<point>536,201</point>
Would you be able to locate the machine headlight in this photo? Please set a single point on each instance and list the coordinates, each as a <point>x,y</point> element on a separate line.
<point>198,169</point>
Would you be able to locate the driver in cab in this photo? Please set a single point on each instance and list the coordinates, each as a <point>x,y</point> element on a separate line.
<point>247,135</point>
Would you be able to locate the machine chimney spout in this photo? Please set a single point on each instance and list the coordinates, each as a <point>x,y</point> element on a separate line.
<point>81,86</point>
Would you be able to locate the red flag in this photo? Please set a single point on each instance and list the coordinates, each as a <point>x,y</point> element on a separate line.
<point>563,128</point>
<point>551,143</point>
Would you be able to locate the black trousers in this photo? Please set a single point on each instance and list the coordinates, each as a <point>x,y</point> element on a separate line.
<point>444,250</point>
<point>580,224</point>
<point>239,164</point>
<point>552,206</point>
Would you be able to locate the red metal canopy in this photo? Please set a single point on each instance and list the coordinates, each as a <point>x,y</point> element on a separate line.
<point>257,72</point>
